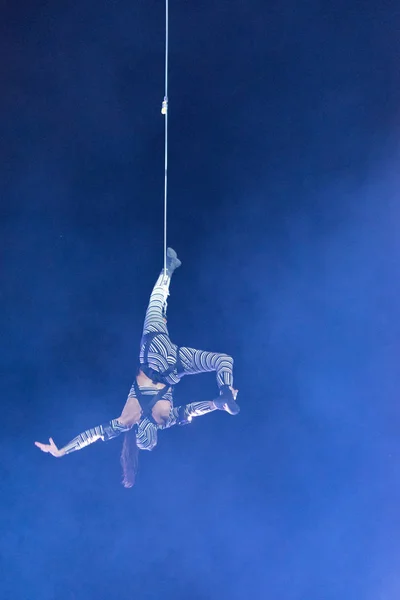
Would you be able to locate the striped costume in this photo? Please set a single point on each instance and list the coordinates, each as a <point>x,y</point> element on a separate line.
<point>163,361</point>
<point>146,430</point>
<point>162,356</point>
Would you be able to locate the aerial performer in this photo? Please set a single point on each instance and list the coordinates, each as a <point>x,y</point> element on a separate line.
<point>149,406</point>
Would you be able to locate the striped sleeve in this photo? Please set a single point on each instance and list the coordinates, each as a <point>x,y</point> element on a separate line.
<point>104,432</point>
<point>146,435</point>
<point>182,415</point>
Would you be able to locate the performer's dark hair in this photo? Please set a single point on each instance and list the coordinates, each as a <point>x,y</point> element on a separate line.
<point>129,458</point>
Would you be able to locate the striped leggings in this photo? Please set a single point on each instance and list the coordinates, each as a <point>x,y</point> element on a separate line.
<point>162,353</point>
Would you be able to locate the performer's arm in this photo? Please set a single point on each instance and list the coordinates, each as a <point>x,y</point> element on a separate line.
<point>146,435</point>
<point>104,432</point>
<point>182,415</point>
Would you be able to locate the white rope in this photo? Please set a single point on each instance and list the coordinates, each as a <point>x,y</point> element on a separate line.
<point>164,111</point>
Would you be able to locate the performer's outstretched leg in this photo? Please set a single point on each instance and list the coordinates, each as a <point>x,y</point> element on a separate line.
<point>159,355</point>
<point>155,314</point>
<point>157,352</point>
<point>155,319</point>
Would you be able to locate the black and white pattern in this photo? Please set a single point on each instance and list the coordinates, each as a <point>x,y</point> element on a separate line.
<point>162,353</point>
<point>104,432</point>
<point>147,431</point>
<point>146,436</point>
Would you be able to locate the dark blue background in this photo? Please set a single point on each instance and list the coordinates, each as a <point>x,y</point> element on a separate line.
<point>284,178</point>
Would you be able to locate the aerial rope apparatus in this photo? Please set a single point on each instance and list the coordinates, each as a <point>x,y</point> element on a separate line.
<point>143,414</point>
<point>164,111</point>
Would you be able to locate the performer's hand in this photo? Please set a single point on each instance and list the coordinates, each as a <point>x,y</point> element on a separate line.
<point>51,448</point>
<point>234,392</point>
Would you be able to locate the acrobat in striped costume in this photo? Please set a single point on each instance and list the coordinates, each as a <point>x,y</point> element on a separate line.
<point>164,362</point>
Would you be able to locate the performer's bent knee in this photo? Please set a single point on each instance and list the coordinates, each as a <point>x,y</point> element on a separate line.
<point>227,358</point>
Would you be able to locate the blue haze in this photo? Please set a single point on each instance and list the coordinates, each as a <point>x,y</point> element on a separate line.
<point>284,179</point>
